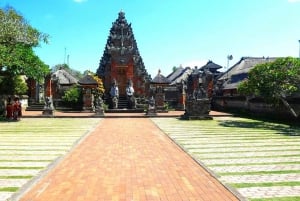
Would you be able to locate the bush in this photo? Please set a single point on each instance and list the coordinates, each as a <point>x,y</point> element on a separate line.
<point>73,96</point>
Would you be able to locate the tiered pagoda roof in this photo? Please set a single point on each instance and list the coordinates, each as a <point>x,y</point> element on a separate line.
<point>121,47</point>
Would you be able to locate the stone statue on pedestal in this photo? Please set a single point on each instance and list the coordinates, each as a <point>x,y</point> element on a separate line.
<point>98,103</point>
<point>48,108</point>
<point>114,94</point>
<point>130,95</point>
<point>200,90</point>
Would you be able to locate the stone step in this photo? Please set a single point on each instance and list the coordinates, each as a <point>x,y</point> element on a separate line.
<point>35,107</point>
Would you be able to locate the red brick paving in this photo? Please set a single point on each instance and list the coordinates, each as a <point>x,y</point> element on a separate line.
<point>128,159</point>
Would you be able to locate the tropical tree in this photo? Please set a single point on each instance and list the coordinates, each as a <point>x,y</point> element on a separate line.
<point>274,81</point>
<point>17,40</point>
<point>13,85</point>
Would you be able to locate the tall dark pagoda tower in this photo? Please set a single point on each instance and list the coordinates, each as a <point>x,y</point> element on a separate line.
<point>121,60</point>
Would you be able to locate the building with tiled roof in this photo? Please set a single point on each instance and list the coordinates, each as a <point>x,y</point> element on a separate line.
<point>239,71</point>
<point>179,75</point>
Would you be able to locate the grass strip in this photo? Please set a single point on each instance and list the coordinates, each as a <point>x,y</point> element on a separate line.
<point>9,189</point>
<point>235,145</point>
<point>258,172</point>
<point>276,199</point>
<point>56,149</point>
<point>242,151</point>
<point>237,157</point>
<point>266,184</point>
<point>12,160</point>
<point>21,168</point>
<point>250,164</point>
<point>17,177</point>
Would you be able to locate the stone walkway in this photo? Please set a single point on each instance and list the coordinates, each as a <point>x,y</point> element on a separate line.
<point>127,159</point>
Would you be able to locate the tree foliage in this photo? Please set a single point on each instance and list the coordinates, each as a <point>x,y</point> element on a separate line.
<point>13,85</point>
<point>273,81</point>
<point>14,29</point>
<point>17,40</point>
<point>72,95</point>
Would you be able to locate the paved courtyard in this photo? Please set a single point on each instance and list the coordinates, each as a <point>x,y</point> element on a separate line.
<point>259,159</point>
<point>255,160</point>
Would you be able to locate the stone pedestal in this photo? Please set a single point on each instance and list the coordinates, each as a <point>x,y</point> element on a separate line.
<point>197,109</point>
<point>151,111</point>
<point>48,108</point>
<point>48,112</point>
<point>99,111</point>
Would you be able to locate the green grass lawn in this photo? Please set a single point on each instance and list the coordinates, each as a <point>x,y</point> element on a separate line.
<point>228,143</point>
<point>27,144</point>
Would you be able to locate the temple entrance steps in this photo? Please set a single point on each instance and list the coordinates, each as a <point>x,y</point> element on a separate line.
<point>122,107</point>
<point>35,107</point>
<point>122,103</point>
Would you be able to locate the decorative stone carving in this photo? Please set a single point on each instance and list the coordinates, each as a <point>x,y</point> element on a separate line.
<point>114,94</point>
<point>151,111</point>
<point>98,103</point>
<point>48,108</point>
<point>198,100</point>
<point>130,95</point>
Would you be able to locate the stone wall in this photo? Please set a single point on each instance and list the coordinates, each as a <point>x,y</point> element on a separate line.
<point>255,106</point>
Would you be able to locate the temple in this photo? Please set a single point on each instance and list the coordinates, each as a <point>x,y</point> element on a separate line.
<point>121,60</point>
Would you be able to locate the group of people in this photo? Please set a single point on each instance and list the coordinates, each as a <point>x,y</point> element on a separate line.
<point>13,109</point>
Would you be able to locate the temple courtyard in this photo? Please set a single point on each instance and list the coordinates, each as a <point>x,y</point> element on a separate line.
<point>129,157</point>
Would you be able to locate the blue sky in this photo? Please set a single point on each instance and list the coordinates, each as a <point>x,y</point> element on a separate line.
<point>168,32</point>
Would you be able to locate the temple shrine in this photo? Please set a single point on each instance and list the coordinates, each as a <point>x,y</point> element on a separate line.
<point>121,60</point>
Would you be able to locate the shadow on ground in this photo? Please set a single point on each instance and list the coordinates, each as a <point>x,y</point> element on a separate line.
<point>281,129</point>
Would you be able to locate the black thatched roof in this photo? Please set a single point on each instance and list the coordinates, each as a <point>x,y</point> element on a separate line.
<point>160,79</point>
<point>239,71</point>
<point>63,77</point>
<point>179,74</point>
<point>211,66</point>
<point>87,80</point>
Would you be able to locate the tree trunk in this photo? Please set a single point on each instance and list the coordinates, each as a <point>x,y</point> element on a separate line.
<point>289,107</point>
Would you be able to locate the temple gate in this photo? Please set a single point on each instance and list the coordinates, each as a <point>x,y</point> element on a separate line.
<point>121,60</point>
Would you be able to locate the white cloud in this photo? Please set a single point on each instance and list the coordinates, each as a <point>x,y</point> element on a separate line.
<point>79,1</point>
<point>293,1</point>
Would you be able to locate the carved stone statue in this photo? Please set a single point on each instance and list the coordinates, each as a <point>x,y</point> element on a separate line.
<point>151,111</point>
<point>48,108</point>
<point>200,86</point>
<point>98,104</point>
<point>130,94</point>
<point>114,94</point>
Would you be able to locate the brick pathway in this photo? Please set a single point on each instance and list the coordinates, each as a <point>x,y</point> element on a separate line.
<point>128,159</point>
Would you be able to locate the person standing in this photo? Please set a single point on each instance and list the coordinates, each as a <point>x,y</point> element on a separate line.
<point>9,109</point>
<point>17,109</point>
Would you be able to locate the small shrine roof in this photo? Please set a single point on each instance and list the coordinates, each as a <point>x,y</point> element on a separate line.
<point>160,79</point>
<point>211,66</point>
<point>87,80</point>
